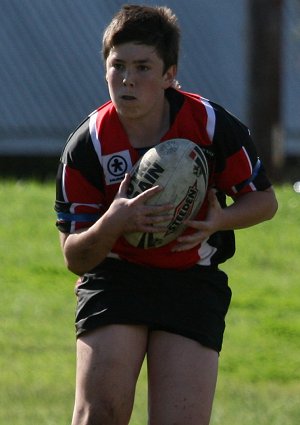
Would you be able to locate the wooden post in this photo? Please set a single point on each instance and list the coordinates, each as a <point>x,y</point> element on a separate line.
<point>265,74</point>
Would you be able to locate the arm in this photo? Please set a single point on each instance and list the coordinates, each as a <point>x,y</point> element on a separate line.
<point>85,249</point>
<point>247,210</point>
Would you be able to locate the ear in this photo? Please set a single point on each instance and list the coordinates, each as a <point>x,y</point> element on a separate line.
<point>169,76</point>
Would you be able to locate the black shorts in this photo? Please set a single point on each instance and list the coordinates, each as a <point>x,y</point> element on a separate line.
<point>191,302</point>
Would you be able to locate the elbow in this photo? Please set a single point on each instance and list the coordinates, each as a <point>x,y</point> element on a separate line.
<point>81,263</point>
<point>74,267</point>
<point>275,207</point>
<point>271,203</point>
<point>75,264</point>
<point>272,208</point>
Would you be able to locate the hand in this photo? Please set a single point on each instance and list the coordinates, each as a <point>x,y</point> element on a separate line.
<point>204,229</point>
<point>135,215</point>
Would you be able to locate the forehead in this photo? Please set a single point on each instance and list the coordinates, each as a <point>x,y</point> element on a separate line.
<point>130,52</point>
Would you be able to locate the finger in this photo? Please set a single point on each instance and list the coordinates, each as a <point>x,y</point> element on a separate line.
<point>212,198</point>
<point>189,241</point>
<point>124,185</point>
<point>156,219</point>
<point>151,227</point>
<point>149,193</point>
<point>184,246</point>
<point>154,228</point>
<point>212,193</point>
<point>166,210</point>
<point>198,225</point>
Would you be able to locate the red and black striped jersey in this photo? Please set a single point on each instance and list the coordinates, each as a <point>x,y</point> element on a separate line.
<point>98,154</point>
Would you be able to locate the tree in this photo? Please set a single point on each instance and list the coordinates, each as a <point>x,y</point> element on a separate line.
<point>265,70</point>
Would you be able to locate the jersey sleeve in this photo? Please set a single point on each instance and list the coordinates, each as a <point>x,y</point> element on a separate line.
<point>238,168</point>
<point>79,183</point>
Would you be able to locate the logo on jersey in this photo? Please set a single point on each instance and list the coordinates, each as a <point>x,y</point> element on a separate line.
<point>115,166</point>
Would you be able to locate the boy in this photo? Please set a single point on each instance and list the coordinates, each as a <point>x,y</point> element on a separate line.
<point>168,303</point>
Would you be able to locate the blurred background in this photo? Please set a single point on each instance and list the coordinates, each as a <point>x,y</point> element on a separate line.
<point>243,54</point>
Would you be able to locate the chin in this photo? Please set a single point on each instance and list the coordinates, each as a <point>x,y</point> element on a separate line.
<point>129,113</point>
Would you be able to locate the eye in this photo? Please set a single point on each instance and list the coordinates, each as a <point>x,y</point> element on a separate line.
<point>143,68</point>
<point>118,66</point>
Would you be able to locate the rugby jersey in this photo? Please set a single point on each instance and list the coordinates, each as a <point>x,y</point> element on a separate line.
<point>98,154</point>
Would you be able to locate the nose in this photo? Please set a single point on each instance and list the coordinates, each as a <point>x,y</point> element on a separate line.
<point>128,79</point>
<point>126,82</point>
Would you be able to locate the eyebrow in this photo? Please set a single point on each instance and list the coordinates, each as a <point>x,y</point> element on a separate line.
<point>139,61</point>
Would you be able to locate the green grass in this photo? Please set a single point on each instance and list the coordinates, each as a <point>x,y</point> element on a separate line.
<point>259,379</point>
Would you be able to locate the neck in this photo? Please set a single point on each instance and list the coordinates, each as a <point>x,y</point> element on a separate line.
<point>148,131</point>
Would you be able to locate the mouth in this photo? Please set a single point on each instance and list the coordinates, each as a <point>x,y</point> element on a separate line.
<point>128,97</point>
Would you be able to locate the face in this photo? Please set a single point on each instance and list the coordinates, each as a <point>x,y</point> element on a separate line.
<point>136,83</point>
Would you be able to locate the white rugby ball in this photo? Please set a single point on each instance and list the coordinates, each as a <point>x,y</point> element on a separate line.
<point>180,167</point>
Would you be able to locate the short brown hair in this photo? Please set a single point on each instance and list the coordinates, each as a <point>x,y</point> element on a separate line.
<point>153,26</point>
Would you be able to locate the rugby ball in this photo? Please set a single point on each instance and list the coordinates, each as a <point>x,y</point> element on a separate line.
<point>180,167</point>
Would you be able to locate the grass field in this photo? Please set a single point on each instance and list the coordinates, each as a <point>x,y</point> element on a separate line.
<point>259,379</point>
